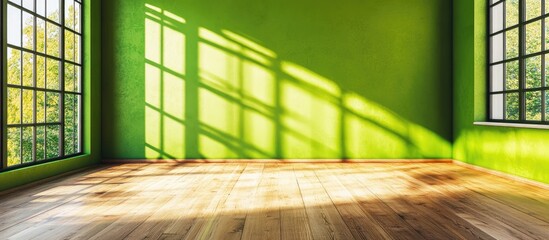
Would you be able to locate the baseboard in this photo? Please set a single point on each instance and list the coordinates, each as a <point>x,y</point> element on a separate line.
<point>503,175</point>
<point>117,161</point>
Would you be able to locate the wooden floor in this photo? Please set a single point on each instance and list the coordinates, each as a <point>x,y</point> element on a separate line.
<point>277,201</point>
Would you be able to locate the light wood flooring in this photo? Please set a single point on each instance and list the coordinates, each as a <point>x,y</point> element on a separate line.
<point>277,201</point>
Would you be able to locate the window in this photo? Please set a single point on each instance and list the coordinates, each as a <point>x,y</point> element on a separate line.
<point>518,61</point>
<point>42,83</point>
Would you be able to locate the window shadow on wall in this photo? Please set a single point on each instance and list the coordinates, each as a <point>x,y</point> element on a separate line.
<point>215,93</point>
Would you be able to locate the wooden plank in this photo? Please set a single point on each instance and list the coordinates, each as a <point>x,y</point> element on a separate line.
<point>392,192</point>
<point>231,216</point>
<point>183,189</point>
<point>73,216</point>
<point>294,223</point>
<point>277,201</point>
<point>203,221</point>
<point>507,219</point>
<point>430,202</point>
<point>356,180</point>
<point>324,219</point>
<point>361,224</point>
<point>263,219</point>
<point>43,206</point>
<point>113,216</point>
<point>526,198</point>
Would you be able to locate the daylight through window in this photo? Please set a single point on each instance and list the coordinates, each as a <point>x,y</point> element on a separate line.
<point>518,61</point>
<point>42,87</point>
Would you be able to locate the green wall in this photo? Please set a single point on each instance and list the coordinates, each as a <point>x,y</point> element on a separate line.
<point>92,111</point>
<point>277,79</point>
<point>522,152</point>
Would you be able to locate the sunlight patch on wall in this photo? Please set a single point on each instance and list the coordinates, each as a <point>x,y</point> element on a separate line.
<point>174,52</point>
<point>312,79</point>
<point>174,96</point>
<point>259,134</point>
<point>249,43</point>
<point>152,40</point>
<point>250,104</point>
<point>165,70</point>
<point>311,122</point>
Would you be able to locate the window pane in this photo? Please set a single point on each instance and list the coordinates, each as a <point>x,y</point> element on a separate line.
<point>41,7</point>
<point>533,72</point>
<point>497,78</point>
<point>497,18</point>
<point>28,4</point>
<point>77,46</point>
<point>40,35</point>
<point>52,74</point>
<point>28,71</point>
<point>14,146</point>
<point>14,106</point>
<point>69,45</point>
<point>69,14</point>
<point>533,106</point>
<point>28,31</point>
<point>14,26</point>
<point>27,144</point>
<point>40,106</point>
<point>40,143</point>
<point>497,48</point>
<point>77,17</point>
<point>77,124</point>
<point>512,43</point>
<point>533,37</point>
<point>497,106</point>
<point>547,106</point>
<point>40,72</point>
<point>533,9</point>
<point>547,31</point>
<point>14,66</point>
<point>52,107</point>
<point>70,123</point>
<point>512,110</point>
<point>53,10</point>
<point>52,44</point>
<point>511,12</point>
<point>512,75</point>
<point>70,77</point>
<point>28,106</point>
<point>78,81</point>
<point>52,141</point>
<point>546,70</point>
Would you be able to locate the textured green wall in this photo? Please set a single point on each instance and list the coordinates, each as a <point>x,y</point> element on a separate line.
<point>522,152</point>
<point>92,111</point>
<point>277,79</point>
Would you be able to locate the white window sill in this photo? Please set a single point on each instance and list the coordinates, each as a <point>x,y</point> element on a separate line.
<point>512,125</point>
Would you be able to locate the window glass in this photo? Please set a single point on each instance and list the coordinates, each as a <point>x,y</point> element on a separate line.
<point>518,66</point>
<point>43,95</point>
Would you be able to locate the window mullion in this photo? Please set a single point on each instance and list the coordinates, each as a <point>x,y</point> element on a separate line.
<point>522,62</point>
<point>543,63</point>
<point>34,84</point>
<point>504,111</point>
<point>62,80</point>
<point>21,68</point>
<point>3,70</point>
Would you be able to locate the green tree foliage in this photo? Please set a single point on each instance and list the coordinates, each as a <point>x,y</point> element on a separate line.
<point>533,71</point>
<point>22,68</point>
